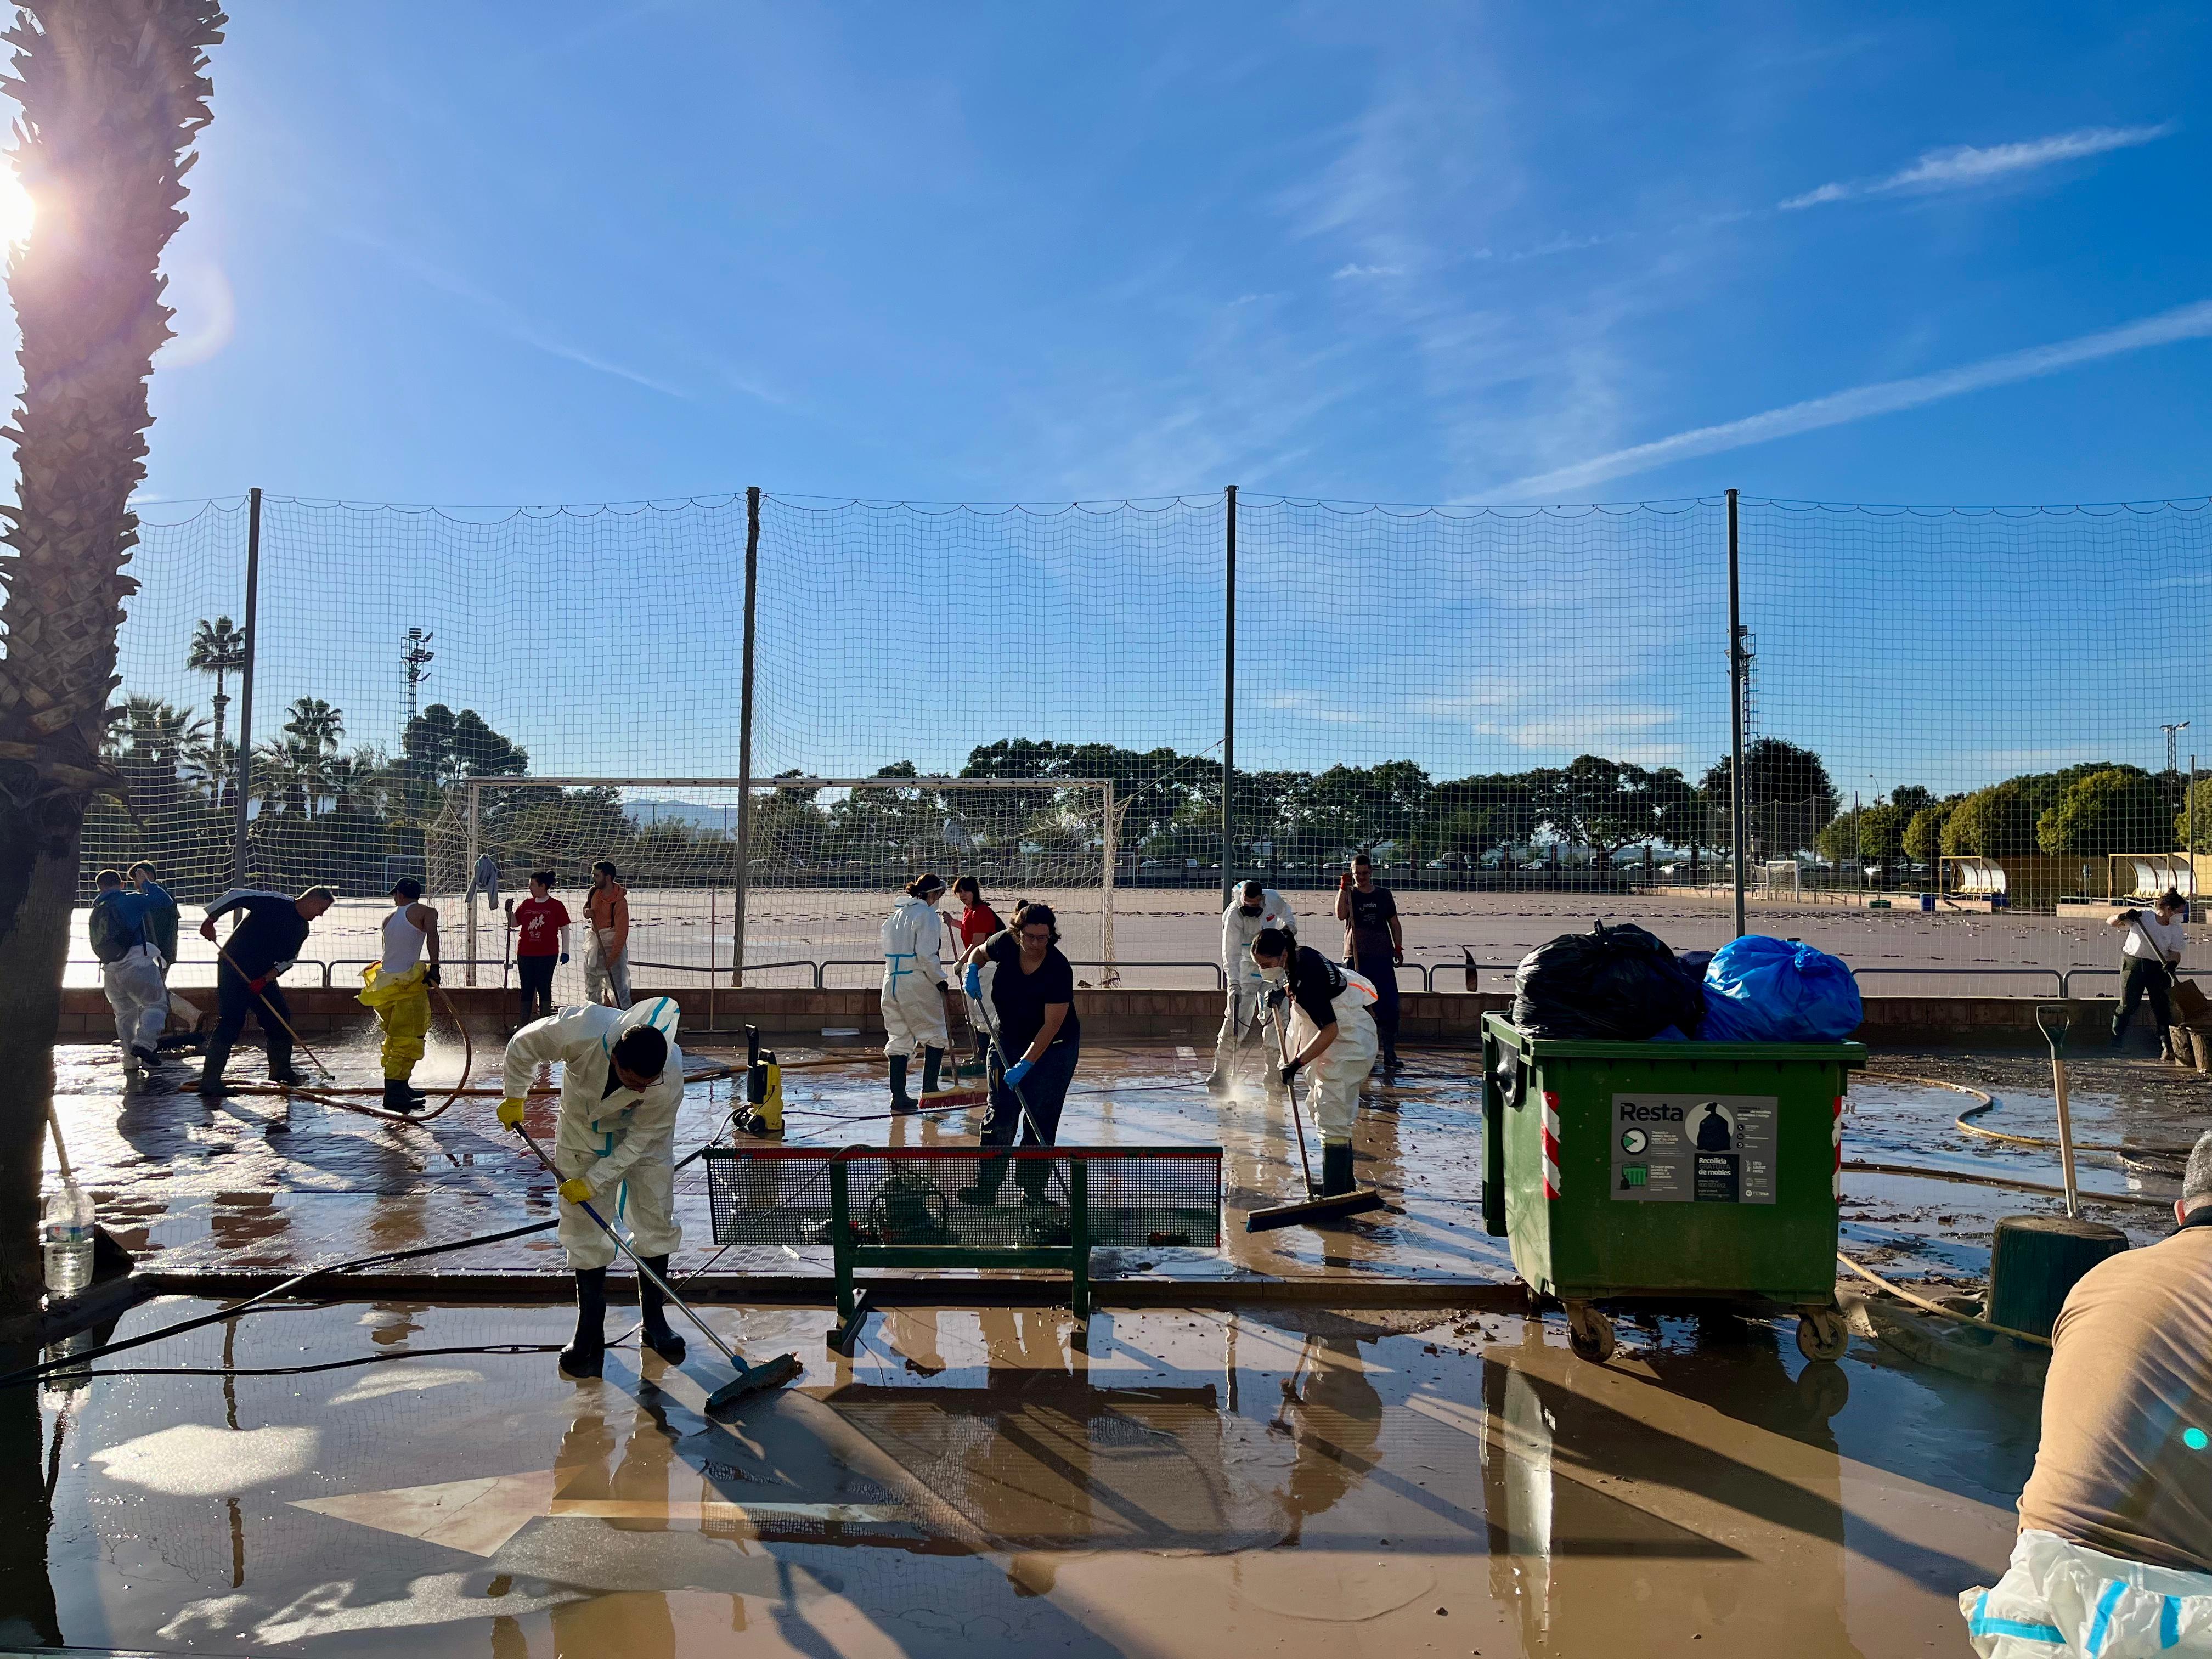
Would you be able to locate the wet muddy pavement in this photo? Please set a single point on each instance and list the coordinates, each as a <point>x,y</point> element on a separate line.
<point>972,1483</point>
<point>1319,1479</point>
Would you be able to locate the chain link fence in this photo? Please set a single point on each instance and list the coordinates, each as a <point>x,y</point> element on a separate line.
<point>1966,732</point>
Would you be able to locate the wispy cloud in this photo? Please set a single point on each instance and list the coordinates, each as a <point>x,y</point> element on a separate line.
<point>2190,322</point>
<point>1348,272</point>
<point>500,313</point>
<point>1959,166</point>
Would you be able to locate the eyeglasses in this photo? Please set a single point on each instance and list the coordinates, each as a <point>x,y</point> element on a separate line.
<point>1036,935</point>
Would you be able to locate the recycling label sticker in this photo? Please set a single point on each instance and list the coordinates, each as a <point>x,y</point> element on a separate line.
<point>1693,1149</point>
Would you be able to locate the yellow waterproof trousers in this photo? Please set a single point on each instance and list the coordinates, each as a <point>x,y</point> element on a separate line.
<point>402,1003</point>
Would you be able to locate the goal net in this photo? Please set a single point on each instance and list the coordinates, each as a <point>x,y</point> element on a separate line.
<point>1779,879</point>
<point>789,892</point>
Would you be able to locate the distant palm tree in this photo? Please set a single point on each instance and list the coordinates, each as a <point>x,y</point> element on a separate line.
<point>314,725</point>
<point>219,649</point>
<point>111,94</point>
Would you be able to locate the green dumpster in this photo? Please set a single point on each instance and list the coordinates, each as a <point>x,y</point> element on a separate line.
<point>1668,1172</point>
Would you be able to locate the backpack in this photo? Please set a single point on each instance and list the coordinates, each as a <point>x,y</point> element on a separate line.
<point>112,937</point>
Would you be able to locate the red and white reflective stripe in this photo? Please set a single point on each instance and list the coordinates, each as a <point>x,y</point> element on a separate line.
<point>1551,1143</point>
<point>1836,1134</point>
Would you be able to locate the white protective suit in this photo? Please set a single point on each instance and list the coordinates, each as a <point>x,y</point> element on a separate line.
<point>138,998</point>
<point>2059,1598</point>
<point>1241,1012</point>
<point>624,1143</point>
<point>1337,1077</point>
<point>914,979</point>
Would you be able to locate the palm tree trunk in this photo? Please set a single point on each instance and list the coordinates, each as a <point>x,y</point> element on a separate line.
<point>112,91</point>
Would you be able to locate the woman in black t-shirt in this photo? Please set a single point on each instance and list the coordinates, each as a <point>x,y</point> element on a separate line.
<point>1029,989</point>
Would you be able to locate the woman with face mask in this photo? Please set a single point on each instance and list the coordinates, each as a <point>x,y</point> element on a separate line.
<point>1332,1036</point>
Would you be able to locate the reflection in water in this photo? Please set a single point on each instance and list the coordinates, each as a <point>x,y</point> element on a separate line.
<point>26,1595</point>
<point>1604,1526</point>
<point>633,1623</point>
<point>1334,1414</point>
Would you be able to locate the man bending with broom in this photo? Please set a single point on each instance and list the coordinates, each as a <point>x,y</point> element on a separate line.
<point>259,949</point>
<point>1331,1034</point>
<point>622,1086</point>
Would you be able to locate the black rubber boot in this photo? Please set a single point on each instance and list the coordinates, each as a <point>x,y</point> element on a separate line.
<point>284,1073</point>
<point>587,1354</point>
<point>398,1097</point>
<point>218,1057</point>
<point>931,1059</point>
<point>653,1308</point>
<point>1336,1170</point>
<point>901,1100</point>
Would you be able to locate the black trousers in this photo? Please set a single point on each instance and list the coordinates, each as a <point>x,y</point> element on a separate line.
<point>235,1001</point>
<point>535,975</point>
<point>1045,1090</point>
<point>2143,976</point>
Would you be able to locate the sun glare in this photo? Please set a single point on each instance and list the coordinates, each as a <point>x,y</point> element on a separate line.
<point>16,210</point>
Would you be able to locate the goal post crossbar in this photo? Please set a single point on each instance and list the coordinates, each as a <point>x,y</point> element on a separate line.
<point>1111,853</point>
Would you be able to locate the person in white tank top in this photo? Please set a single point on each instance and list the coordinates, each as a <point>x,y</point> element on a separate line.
<point>398,988</point>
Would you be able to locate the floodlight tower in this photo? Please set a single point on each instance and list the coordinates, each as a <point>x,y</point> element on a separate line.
<point>2173,729</point>
<point>418,660</point>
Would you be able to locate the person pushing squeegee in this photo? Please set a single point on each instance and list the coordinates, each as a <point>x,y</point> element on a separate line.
<point>622,1086</point>
<point>1326,1009</point>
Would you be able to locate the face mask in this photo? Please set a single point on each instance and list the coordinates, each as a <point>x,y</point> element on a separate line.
<point>1248,909</point>
<point>1276,974</point>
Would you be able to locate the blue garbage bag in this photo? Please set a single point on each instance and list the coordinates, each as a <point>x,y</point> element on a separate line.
<point>1770,990</point>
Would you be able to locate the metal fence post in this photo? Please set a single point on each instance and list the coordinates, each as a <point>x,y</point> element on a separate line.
<point>1229,702</point>
<point>738,891</point>
<point>469,890</point>
<point>238,858</point>
<point>1735,714</point>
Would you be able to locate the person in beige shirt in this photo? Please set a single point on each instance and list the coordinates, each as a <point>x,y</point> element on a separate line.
<point>2125,1464</point>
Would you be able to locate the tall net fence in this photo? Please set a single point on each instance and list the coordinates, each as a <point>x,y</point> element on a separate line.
<point>1967,733</point>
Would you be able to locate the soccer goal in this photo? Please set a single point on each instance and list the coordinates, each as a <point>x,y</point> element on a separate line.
<point>1779,879</point>
<point>784,881</point>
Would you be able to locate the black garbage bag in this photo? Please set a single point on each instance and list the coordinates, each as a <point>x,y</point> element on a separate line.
<point>1621,984</point>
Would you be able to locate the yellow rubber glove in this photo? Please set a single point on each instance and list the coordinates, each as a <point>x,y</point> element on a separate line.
<point>578,1191</point>
<point>510,1113</point>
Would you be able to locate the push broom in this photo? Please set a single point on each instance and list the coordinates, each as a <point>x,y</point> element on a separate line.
<point>1317,1207</point>
<point>750,1379</point>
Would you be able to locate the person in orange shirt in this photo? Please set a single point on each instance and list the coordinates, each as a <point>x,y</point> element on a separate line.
<point>606,941</point>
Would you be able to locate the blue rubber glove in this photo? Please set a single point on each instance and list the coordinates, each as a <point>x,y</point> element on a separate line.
<point>564,959</point>
<point>1017,1071</point>
<point>974,981</point>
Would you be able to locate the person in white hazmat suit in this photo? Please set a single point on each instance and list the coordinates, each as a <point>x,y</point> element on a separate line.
<point>621,1085</point>
<point>1332,1036</point>
<point>914,989</point>
<point>1252,908</point>
<point>130,970</point>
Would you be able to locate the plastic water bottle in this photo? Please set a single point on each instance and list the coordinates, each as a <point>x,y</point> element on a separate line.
<point>68,1233</point>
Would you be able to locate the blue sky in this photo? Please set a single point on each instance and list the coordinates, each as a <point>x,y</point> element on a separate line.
<point>1411,252</point>
<point>1408,254</point>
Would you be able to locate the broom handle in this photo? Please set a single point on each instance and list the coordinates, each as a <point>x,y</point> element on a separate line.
<point>637,1261</point>
<point>1282,1048</point>
<point>313,1058</point>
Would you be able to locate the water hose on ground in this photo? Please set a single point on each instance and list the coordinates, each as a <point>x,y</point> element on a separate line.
<point>1937,1307</point>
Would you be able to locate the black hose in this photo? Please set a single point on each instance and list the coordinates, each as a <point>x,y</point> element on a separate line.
<point>34,1373</point>
<point>71,1377</point>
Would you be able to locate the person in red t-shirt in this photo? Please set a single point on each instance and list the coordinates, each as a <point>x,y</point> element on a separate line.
<point>541,938</point>
<point>978,922</point>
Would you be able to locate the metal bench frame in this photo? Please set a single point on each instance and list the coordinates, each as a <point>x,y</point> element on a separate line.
<point>851,1251</point>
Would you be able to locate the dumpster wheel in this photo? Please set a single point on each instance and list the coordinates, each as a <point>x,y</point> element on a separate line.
<point>1589,1333</point>
<point>1822,1334</point>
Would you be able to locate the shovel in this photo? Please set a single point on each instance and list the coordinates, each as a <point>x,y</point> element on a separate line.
<point>2054,1020</point>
